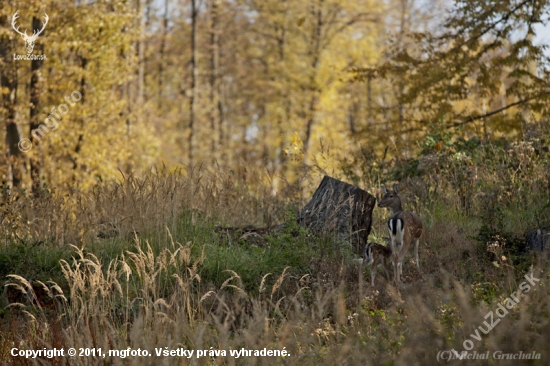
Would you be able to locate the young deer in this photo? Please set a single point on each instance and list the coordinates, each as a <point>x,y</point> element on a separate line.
<point>404,227</point>
<point>373,254</point>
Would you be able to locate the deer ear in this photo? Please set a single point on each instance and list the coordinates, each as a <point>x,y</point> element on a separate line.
<point>384,190</point>
<point>396,188</point>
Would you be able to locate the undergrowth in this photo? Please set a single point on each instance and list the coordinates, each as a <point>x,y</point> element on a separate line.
<point>145,262</point>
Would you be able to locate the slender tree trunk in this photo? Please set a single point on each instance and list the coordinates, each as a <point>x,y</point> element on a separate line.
<point>194,76</point>
<point>370,120</point>
<point>314,101</point>
<point>141,61</point>
<point>14,158</point>
<point>315,53</point>
<point>221,128</point>
<point>8,93</point>
<point>35,90</point>
<point>285,97</point>
<point>146,25</point>
<point>162,50</point>
<point>80,139</point>
<point>352,116</point>
<point>214,76</point>
<point>401,85</point>
<point>223,142</point>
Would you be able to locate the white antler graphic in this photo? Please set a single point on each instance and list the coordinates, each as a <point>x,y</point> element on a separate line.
<point>29,40</point>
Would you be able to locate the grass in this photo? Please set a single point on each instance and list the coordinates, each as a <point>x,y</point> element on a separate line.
<point>166,276</point>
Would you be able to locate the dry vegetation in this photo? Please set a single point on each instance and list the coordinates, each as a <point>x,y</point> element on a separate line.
<point>160,275</point>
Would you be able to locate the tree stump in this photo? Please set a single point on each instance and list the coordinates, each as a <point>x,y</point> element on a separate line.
<point>339,208</point>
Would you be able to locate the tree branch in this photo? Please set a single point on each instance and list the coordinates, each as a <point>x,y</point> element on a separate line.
<point>496,111</point>
<point>470,119</point>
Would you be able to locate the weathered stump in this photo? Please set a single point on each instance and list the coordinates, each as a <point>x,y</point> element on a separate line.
<point>339,208</point>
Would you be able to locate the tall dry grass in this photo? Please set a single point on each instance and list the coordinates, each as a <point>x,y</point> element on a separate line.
<point>160,276</point>
<point>142,204</point>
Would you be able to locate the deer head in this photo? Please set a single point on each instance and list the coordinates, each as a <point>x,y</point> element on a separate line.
<point>29,40</point>
<point>391,200</point>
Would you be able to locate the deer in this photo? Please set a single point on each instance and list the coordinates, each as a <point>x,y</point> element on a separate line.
<point>373,254</point>
<point>404,227</point>
<point>29,40</point>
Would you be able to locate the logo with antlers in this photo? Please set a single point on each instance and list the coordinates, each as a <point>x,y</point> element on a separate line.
<point>29,40</point>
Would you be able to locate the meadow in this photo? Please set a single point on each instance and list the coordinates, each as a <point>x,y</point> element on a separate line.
<point>140,263</point>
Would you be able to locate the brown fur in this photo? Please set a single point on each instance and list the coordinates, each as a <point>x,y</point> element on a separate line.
<point>411,230</point>
<point>378,254</point>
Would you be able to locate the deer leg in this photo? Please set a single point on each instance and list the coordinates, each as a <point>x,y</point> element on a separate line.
<point>386,270</point>
<point>416,253</point>
<point>362,269</point>
<point>400,265</point>
<point>372,274</point>
<point>396,270</point>
<point>400,255</point>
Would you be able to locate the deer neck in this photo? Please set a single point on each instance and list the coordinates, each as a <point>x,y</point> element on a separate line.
<point>396,207</point>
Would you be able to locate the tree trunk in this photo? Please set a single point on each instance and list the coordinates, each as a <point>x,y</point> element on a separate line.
<point>215,113</point>
<point>141,63</point>
<point>80,139</point>
<point>194,74</point>
<point>315,52</point>
<point>310,121</point>
<point>162,50</point>
<point>35,90</point>
<point>352,116</point>
<point>8,94</point>
<point>341,209</point>
<point>370,120</point>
